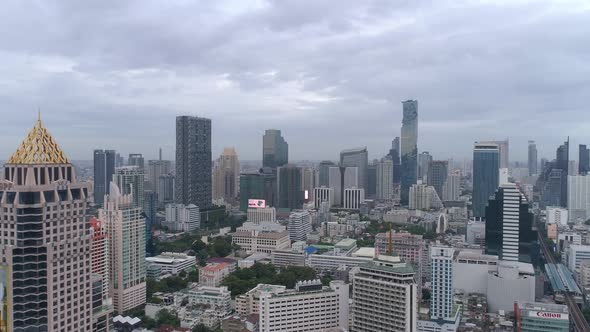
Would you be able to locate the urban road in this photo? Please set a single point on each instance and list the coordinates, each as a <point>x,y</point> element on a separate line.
<point>580,323</point>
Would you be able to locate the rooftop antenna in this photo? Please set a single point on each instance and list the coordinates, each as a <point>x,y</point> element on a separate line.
<point>39,113</point>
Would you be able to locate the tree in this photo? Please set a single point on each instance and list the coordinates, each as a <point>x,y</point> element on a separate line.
<point>429,235</point>
<point>201,328</point>
<point>587,222</point>
<point>416,229</point>
<point>165,317</point>
<point>425,294</point>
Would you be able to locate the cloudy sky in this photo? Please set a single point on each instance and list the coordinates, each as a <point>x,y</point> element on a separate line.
<point>329,74</point>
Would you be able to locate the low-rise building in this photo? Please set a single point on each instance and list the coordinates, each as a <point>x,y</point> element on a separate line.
<point>249,303</point>
<point>169,263</point>
<point>218,298</point>
<point>325,262</point>
<point>262,215</point>
<point>576,255</point>
<point>213,274</point>
<point>541,317</point>
<point>264,237</point>
<point>288,257</point>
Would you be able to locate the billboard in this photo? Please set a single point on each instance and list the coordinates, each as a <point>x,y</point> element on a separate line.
<point>548,315</point>
<point>256,203</point>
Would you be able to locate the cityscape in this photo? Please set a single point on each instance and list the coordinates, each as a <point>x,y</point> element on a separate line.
<point>205,220</point>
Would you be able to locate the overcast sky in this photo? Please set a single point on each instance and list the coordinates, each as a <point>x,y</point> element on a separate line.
<point>329,74</point>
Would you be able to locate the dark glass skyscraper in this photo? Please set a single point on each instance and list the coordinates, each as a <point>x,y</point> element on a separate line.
<point>275,150</point>
<point>584,160</point>
<point>486,163</point>
<point>359,158</point>
<point>290,193</point>
<point>409,148</point>
<point>394,155</point>
<point>533,162</point>
<point>257,186</point>
<point>323,172</point>
<point>562,163</point>
<point>437,175</point>
<point>193,161</point>
<point>104,168</point>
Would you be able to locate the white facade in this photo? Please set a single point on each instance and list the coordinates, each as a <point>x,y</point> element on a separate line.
<point>213,274</point>
<point>310,307</point>
<point>332,263</point>
<point>452,188</point>
<point>471,269</point>
<point>265,237</point>
<point>576,255</point>
<point>353,198</point>
<point>502,176</point>
<point>323,194</point>
<point>182,218</point>
<point>423,197</point>
<point>262,215</point>
<point>441,303</point>
<point>557,215</point>
<point>578,197</point>
<point>249,303</point>
<point>172,263</point>
<point>476,233</point>
<point>512,282</point>
<point>385,179</point>
<point>511,221</point>
<point>218,298</point>
<point>340,180</point>
<point>299,225</point>
<point>571,237</point>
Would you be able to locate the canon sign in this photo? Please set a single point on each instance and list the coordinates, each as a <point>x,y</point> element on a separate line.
<point>548,315</point>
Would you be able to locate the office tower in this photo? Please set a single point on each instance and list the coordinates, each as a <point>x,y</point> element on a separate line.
<point>423,197</point>
<point>150,209</point>
<point>533,163</point>
<point>562,163</point>
<point>156,169</point>
<point>583,159</point>
<point>135,159</point>
<point>307,182</point>
<point>165,189</point>
<point>409,149</point>
<point>424,160</point>
<point>299,225</point>
<point>503,152</point>
<point>226,176</point>
<point>341,178</point>
<point>275,150</point>
<point>353,198</point>
<point>452,188</point>
<point>307,308</point>
<point>46,284</point>
<point>102,303</point>
<point>290,194</point>
<point>323,172</point>
<point>193,161</point>
<point>358,158</point>
<point>503,176</point>
<point>385,296</point>
<point>125,227</point>
<point>578,198</point>
<point>104,168</point>
<point>182,218</point>
<point>509,226</point>
<point>441,301</point>
<point>385,179</point>
<point>257,186</point>
<point>262,215</point>
<point>486,164</point>
<point>372,179</point>
<point>438,171</point>
<point>130,180</point>
<point>323,194</point>
<point>394,154</point>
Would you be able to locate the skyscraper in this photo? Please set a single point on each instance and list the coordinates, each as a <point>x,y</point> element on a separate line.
<point>438,171</point>
<point>290,193</point>
<point>193,161</point>
<point>409,148</point>
<point>155,169</point>
<point>584,160</point>
<point>533,162</point>
<point>562,163</point>
<point>424,159</point>
<point>394,153</point>
<point>341,178</point>
<point>101,300</point>
<point>323,171</point>
<point>578,198</point>
<point>372,179</point>
<point>130,180</point>
<point>452,188</point>
<point>126,231</point>
<point>308,176</point>
<point>299,225</point>
<point>104,168</point>
<point>385,179</point>
<point>136,159</point>
<point>258,185</point>
<point>486,162</point>
<point>226,176</point>
<point>441,302</point>
<point>509,226</point>
<point>359,158</point>
<point>275,150</point>
<point>45,266</point>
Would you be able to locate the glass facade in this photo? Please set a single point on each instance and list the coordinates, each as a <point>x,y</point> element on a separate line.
<point>275,150</point>
<point>486,163</point>
<point>409,149</point>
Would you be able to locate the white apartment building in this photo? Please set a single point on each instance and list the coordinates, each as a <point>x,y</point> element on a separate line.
<point>262,215</point>
<point>323,194</point>
<point>511,221</point>
<point>452,188</point>
<point>218,298</point>
<point>249,303</point>
<point>385,179</point>
<point>576,255</point>
<point>182,218</point>
<point>213,274</point>
<point>299,225</point>
<point>578,197</point>
<point>309,307</point>
<point>385,296</point>
<point>264,238</point>
<point>557,215</point>
<point>353,198</point>
<point>441,303</point>
<point>287,257</point>
<point>423,197</point>
<point>584,276</point>
<point>171,263</point>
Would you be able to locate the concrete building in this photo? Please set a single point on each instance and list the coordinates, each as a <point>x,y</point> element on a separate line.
<point>513,281</point>
<point>441,302</point>
<point>182,218</point>
<point>409,149</point>
<point>357,157</point>
<point>166,189</point>
<point>330,262</point>
<point>290,192</point>
<point>385,179</point>
<point>217,298</point>
<point>299,225</point>
<point>226,176</point>
<point>584,276</point>
<point>476,233</point>
<point>452,188</point>
<point>249,303</point>
<point>136,159</point>
<point>275,150</point>
<point>438,171</point>
<point>265,237</point>
<point>213,274</point>
<point>533,162</point>
<point>541,317</point>
<point>309,307</point>
<point>323,194</point>
<point>288,257</point>
<point>486,165</point>
<point>130,180</point>
<point>578,198</point>
<point>156,169</point>
<point>409,247</point>
<point>126,230</point>
<point>353,198</point>
<point>576,255</point>
<point>193,161</point>
<point>385,296</point>
<point>102,302</point>
<point>42,208</point>
<point>104,168</point>
<point>170,263</point>
<point>259,185</point>
<point>340,178</point>
<point>308,183</point>
<point>262,215</point>
<point>424,159</point>
<point>470,271</point>
<point>423,197</point>
<point>557,215</point>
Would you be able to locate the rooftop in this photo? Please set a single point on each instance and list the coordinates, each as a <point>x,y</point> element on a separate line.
<point>38,147</point>
<point>214,267</point>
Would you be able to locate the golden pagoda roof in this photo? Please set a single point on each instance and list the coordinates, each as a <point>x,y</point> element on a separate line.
<point>38,147</point>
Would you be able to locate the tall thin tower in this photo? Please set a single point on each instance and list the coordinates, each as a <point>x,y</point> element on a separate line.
<point>409,148</point>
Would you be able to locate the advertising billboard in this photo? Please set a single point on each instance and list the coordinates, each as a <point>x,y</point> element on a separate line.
<point>548,315</point>
<point>256,203</point>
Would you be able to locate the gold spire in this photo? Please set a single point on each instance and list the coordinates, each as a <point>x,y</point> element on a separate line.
<point>38,147</point>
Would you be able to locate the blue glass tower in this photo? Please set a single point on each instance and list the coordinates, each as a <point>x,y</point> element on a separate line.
<point>409,148</point>
<point>486,164</point>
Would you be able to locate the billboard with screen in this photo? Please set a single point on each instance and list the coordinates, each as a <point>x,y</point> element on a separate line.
<point>256,203</point>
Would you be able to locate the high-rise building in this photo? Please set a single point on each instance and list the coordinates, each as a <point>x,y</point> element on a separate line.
<point>290,193</point>
<point>156,169</point>
<point>102,303</point>
<point>299,225</point>
<point>541,317</point>
<point>503,152</point>
<point>371,190</point>
<point>136,159</point>
<point>275,150</point>
<point>584,160</point>
<point>104,168</point>
<point>193,161</point>
<point>182,218</point>
<point>46,243</point>
<point>125,227</point>
<point>130,180</point>
<point>226,176</point>
<point>323,172</point>
<point>441,301</point>
<point>578,198</point>
<point>307,182</point>
<point>385,179</point>
<point>423,197</point>
<point>409,149</point>
<point>424,159</point>
<point>323,194</point>
<point>257,186</point>
<point>262,215</point>
<point>353,198</point>
<point>562,163</point>
<point>452,188</point>
<point>438,171</point>
<point>358,158</point>
<point>486,165</point>
<point>394,154</point>
<point>150,210</point>
<point>165,189</point>
<point>509,226</point>
<point>533,162</point>
<point>341,178</point>
<point>385,296</point>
